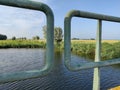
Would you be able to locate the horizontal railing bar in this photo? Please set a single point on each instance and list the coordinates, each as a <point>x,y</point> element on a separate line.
<point>22,75</point>
<point>88,65</point>
<point>90,15</point>
<point>28,4</point>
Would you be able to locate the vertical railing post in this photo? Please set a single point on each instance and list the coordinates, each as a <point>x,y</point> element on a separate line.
<point>96,80</point>
<point>67,41</point>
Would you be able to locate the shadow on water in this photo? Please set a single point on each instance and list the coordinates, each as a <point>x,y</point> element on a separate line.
<point>60,78</point>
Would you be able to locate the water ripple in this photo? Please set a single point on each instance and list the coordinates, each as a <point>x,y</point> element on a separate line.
<point>59,79</point>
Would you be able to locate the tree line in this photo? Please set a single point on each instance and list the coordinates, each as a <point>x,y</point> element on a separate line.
<point>24,38</point>
<point>58,35</point>
<point>3,37</point>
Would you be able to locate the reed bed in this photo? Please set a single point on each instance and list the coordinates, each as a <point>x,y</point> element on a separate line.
<point>83,48</point>
<point>86,48</point>
<point>22,44</point>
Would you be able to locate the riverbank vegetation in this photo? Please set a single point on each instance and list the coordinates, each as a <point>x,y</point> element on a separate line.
<point>22,44</point>
<point>83,48</point>
<point>86,48</point>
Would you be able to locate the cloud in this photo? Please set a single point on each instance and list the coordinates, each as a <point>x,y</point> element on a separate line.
<point>21,22</point>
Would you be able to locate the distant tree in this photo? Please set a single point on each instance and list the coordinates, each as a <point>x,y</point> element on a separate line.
<point>22,38</point>
<point>58,34</point>
<point>14,38</point>
<point>75,38</point>
<point>92,38</point>
<point>44,29</point>
<point>3,37</point>
<point>36,38</point>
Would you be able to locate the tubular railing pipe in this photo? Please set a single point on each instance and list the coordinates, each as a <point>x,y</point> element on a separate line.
<point>78,13</point>
<point>96,78</point>
<point>67,40</point>
<point>29,4</point>
<point>67,45</point>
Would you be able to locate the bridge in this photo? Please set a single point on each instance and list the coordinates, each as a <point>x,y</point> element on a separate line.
<point>29,4</point>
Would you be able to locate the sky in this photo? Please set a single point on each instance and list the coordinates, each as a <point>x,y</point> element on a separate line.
<point>28,23</point>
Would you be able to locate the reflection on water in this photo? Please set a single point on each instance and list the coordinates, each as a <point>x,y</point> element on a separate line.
<point>59,79</point>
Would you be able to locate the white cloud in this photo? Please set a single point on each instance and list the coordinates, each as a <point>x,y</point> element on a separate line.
<point>20,22</point>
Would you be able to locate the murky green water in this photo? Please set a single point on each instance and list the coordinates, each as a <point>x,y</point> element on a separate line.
<point>60,78</point>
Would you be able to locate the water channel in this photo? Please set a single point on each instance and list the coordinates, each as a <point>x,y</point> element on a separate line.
<point>12,60</point>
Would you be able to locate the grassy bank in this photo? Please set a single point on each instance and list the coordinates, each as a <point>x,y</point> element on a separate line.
<point>84,48</point>
<point>22,44</point>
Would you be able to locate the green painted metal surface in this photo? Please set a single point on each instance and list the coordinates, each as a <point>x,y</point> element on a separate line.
<point>67,40</point>
<point>29,4</point>
<point>67,45</point>
<point>96,78</point>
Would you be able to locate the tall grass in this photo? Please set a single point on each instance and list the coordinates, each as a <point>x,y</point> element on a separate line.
<point>22,44</point>
<point>83,48</point>
<point>86,48</point>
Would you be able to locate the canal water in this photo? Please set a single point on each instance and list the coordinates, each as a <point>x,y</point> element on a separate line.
<point>12,60</point>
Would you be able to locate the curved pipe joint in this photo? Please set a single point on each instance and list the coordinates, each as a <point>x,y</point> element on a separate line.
<point>29,4</point>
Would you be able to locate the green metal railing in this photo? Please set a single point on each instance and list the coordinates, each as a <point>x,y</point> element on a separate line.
<point>67,44</point>
<point>29,4</point>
